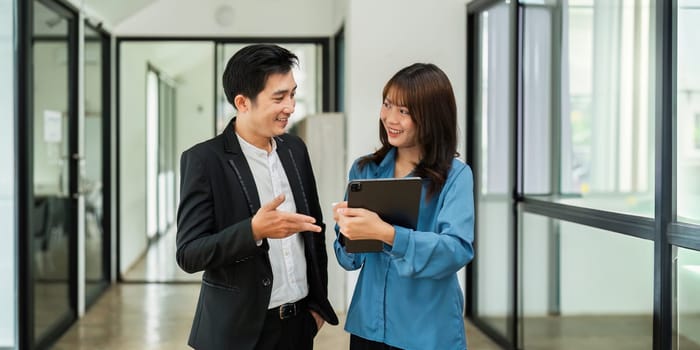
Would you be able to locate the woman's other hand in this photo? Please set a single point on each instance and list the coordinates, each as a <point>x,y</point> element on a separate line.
<point>337,206</point>
<point>359,223</point>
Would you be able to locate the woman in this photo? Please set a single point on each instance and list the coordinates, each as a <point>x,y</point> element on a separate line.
<point>408,295</point>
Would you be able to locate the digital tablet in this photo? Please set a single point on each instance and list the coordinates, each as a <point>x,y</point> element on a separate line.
<point>396,201</point>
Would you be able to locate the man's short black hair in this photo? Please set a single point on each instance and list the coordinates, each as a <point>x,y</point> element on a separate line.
<point>247,71</point>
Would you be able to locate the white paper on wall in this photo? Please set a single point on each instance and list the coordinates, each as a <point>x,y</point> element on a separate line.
<point>52,126</point>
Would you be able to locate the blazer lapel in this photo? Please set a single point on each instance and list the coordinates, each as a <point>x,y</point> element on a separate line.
<point>240,167</point>
<point>293,176</point>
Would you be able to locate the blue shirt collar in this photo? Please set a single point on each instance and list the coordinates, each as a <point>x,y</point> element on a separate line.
<point>386,167</point>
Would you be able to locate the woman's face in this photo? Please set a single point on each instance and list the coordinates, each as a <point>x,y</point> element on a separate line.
<point>398,123</point>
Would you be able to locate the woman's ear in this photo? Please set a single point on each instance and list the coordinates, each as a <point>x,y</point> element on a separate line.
<point>241,103</point>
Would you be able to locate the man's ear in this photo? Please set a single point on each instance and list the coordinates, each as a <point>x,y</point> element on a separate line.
<point>241,103</point>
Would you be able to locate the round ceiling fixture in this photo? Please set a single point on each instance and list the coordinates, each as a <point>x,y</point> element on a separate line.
<point>224,15</point>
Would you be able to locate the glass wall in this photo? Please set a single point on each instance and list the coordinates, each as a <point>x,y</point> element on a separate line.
<point>607,111</point>
<point>160,156</point>
<point>601,85</point>
<point>8,199</point>
<point>688,111</point>
<point>152,111</point>
<point>53,145</point>
<point>493,202</point>
<point>608,235</point>
<point>687,305</point>
<point>93,180</point>
<point>582,302</point>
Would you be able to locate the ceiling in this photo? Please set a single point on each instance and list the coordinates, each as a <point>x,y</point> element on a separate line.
<point>113,12</point>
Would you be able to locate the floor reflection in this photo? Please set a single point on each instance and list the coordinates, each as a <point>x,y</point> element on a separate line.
<point>159,316</point>
<point>159,265</point>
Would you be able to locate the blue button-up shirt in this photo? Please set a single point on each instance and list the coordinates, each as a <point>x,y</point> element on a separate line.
<point>408,295</point>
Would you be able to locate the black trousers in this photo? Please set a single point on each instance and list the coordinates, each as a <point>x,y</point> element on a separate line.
<point>359,343</point>
<point>293,333</point>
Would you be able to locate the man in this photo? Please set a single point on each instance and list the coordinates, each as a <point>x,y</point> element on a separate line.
<point>265,279</point>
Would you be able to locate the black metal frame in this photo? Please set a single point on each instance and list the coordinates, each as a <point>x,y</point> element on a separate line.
<point>339,67</point>
<point>324,42</point>
<point>24,190</point>
<point>665,199</point>
<point>663,229</point>
<point>474,8</point>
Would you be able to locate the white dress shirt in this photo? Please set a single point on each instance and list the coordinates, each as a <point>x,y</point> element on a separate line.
<point>289,283</point>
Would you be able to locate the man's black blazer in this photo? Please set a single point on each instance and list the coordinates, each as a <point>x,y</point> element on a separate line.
<point>218,199</point>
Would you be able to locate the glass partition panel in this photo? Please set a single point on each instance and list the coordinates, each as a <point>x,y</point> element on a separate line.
<point>687,304</point>
<point>8,268</point>
<point>53,214</point>
<point>688,111</point>
<point>493,202</point>
<point>537,98</point>
<point>584,288</point>
<point>607,131</point>
<point>92,178</point>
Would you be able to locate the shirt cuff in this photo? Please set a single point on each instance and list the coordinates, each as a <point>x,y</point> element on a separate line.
<point>400,241</point>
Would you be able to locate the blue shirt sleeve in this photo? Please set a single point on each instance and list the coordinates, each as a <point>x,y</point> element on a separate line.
<point>421,254</point>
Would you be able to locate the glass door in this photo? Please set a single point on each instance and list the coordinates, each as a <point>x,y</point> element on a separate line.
<point>94,181</point>
<point>52,100</point>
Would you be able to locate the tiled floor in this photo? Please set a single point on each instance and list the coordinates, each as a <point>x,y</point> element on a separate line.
<point>158,316</point>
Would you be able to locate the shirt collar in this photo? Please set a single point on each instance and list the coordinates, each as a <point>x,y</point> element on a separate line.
<point>255,150</point>
<point>387,164</point>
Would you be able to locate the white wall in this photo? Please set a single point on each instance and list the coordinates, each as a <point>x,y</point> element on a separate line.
<point>194,110</point>
<point>8,296</point>
<point>384,36</point>
<point>340,9</point>
<point>245,18</point>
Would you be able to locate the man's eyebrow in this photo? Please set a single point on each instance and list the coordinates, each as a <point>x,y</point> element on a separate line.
<point>284,91</point>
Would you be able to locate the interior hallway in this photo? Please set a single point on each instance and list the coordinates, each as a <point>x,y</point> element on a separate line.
<point>140,314</point>
<point>159,315</point>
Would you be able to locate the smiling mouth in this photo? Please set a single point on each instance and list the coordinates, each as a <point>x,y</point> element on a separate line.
<point>394,131</point>
<point>280,119</point>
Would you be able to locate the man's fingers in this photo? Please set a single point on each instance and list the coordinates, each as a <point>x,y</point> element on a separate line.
<point>273,204</point>
<point>299,222</point>
<point>312,228</point>
<point>296,217</point>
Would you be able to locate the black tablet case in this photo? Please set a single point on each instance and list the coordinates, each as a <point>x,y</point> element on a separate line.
<point>396,201</point>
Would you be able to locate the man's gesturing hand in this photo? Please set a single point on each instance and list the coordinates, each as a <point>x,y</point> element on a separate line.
<point>270,223</point>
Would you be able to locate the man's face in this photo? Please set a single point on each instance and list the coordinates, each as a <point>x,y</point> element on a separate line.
<point>270,112</point>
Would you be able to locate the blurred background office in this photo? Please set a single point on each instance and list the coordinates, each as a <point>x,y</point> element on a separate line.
<point>580,119</point>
